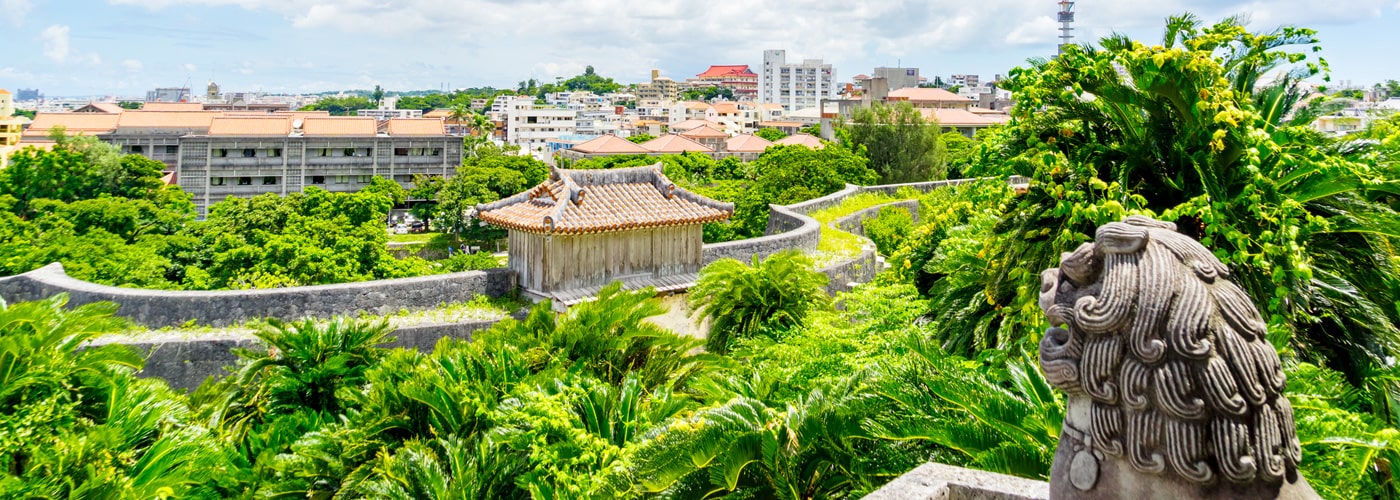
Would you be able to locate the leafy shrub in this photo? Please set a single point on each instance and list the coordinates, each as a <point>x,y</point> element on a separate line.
<point>741,300</point>
<point>889,229</point>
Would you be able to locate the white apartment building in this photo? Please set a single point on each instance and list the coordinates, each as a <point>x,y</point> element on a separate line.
<point>385,114</point>
<point>794,86</point>
<point>530,127</point>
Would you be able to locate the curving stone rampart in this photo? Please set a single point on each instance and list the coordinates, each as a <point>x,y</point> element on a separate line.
<point>162,308</point>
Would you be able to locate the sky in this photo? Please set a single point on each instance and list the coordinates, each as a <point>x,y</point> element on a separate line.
<point>125,47</point>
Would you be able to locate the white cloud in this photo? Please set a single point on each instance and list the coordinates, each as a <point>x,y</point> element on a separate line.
<point>418,42</point>
<point>133,65</point>
<point>58,48</point>
<point>1040,30</point>
<point>55,40</point>
<point>190,68</point>
<point>15,10</point>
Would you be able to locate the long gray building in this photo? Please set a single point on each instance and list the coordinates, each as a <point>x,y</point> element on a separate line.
<point>214,155</point>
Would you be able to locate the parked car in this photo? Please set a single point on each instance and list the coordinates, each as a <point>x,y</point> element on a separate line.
<point>417,227</point>
<point>400,228</point>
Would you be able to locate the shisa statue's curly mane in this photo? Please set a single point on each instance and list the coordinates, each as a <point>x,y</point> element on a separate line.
<point>1165,361</point>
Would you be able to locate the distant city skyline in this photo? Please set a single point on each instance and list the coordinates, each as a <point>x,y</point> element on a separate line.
<point>127,47</point>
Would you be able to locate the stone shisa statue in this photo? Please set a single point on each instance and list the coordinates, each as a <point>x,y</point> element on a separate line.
<point>1173,390</point>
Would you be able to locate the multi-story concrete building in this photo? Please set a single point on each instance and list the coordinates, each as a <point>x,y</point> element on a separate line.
<point>794,86</point>
<point>214,155</point>
<point>9,127</point>
<point>169,94</point>
<point>899,78</point>
<point>660,88</point>
<point>385,114</point>
<point>530,127</point>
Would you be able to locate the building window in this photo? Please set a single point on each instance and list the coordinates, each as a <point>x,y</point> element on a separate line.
<point>274,152</point>
<point>245,181</point>
<point>437,151</point>
<point>318,179</point>
<point>216,181</point>
<point>172,150</point>
<point>400,151</point>
<point>348,152</point>
<point>342,179</point>
<point>249,152</point>
<point>363,179</point>
<point>323,152</point>
<point>269,180</point>
<point>136,150</point>
<point>220,153</point>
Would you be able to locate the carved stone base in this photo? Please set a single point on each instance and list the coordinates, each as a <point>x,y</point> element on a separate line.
<point>1110,478</point>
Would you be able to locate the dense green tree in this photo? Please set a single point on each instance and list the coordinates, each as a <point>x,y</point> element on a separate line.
<point>771,134</point>
<point>789,174</point>
<point>710,93</point>
<point>341,106</point>
<point>377,95</point>
<point>640,138</point>
<point>902,145</point>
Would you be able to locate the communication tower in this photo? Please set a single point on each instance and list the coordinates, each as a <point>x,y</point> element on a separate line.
<point>1066,17</point>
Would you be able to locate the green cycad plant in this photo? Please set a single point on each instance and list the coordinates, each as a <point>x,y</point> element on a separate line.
<point>994,414</point>
<point>814,447</point>
<point>75,422</point>
<point>742,300</point>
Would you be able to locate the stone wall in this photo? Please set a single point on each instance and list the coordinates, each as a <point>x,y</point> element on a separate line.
<point>786,230</point>
<point>162,308</point>
<point>186,362</point>
<point>855,223</point>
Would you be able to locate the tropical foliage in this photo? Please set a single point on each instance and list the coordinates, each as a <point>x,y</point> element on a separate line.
<point>776,293</point>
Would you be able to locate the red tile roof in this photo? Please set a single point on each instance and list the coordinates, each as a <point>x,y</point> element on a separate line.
<point>685,125</point>
<point>339,126</point>
<point>416,127</point>
<point>672,143</point>
<point>722,71</point>
<point>963,118</point>
<point>610,144</point>
<point>747,144</point>
<point>917,94</point>
<point>705,131</point>
<point>249,126</point>
<point>75,123</point>
<point>597,201</point>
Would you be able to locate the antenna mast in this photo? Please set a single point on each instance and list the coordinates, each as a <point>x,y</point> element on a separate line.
<point>1066,17</point>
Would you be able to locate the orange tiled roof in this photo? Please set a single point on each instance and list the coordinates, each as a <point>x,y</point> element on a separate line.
<point>781,124</point>
<point>100,107</point>
<point>3,91</point>
<point>685,125</point>
<point>925,94</point>
<point>801,140</point>
<point>963,118</point>
<point>704,131</point>
<point>598,201</point>
<point>339,126</point>
<point>75,123</point>
<point>416,126</point>
<point>261,126</point>
<point>747,144</point>
<point>726,108</point>
<point>438,113</point>
<point>734,70</point>
<point>172,106</point>
<point>167,119</point>
<point>672,143</point>
<point>610,144</point>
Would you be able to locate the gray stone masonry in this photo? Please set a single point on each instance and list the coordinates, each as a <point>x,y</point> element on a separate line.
<point>162,308</point>
<point>945,482</point>
<point>185,362</point>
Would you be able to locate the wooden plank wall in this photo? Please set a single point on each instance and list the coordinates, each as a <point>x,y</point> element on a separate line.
<point>566,262</point>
